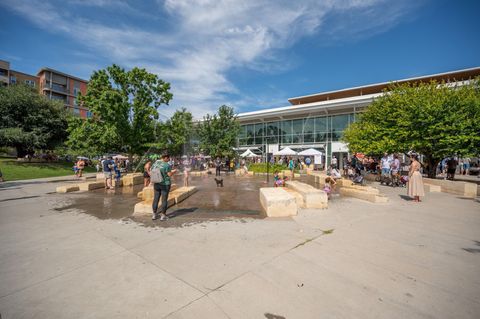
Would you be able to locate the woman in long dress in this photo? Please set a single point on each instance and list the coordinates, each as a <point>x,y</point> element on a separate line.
<point>415,182</point>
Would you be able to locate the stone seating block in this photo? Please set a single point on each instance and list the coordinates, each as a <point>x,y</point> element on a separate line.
<point>465,189</point>
<point>88,186</point>
<point>298,197</point>
<point>312,197</point>
<point>343,182</point>
<point>100,176</point>
<point>364,195</point>
<point>67,188</point>
<point>368,189</point>
<point>250,173</point>
<point>144,208</point>
<point>277,202</point>
<point>132,179</point>
<point>429,188</point>
<point>183,193</point>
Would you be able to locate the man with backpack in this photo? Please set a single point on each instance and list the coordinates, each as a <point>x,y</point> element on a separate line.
<point>160,175</point>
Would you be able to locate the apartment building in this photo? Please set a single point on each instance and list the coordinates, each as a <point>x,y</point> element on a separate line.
<point>9,76</point>
<point>4,73</point>
<point>65,88</point>
<point>54,84</point>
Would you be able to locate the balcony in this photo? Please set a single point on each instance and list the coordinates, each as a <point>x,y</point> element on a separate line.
<point>55,87</point>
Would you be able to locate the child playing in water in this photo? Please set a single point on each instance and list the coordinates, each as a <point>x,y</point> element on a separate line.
<point>277,181</point>
<point>330,184</point>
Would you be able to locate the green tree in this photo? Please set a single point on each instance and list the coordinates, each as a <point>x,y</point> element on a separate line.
<point>218,133</point>
<point>30,121</point>
<point>433,119</point>
<point>124,106</point>
<point>174,135</point>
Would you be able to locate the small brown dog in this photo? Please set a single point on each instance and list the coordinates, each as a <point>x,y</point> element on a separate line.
<point>219,182</point>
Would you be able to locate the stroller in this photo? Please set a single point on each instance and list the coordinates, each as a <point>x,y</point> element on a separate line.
<point>359,179</point>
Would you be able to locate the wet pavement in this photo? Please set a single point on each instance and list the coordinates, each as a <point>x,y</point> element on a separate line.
<point>238,199</point>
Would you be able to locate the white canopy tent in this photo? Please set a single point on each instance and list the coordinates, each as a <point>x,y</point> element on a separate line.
<point>249,153</point>
<point>120,157</point>
<point>286,151</point>
<point>310,152</point>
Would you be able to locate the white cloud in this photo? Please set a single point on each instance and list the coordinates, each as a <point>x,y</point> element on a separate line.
<point>207,38</point>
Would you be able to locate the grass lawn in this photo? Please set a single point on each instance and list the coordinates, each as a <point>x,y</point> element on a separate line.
<point>13,170</point>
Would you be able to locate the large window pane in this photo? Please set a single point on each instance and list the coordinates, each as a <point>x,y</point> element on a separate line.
<point>320,137</point>
<point>250,130</point>
<point>339,122</point>
<point>308,138</point>
<point>308,129</point>
<point>337,135</point>
<point>273,128</point>
<point>259,130</point>
<point>250,140</point>
<point>297,138</point>
<point>243,131</point>
<point>258,140</point>
<point>286,139</point>
<point>297,126</point>
<point>271,139</point>
<point>321,124</point>
<point>287,127</point>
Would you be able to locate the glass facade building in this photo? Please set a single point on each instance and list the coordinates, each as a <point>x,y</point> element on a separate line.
<point>291,132</point>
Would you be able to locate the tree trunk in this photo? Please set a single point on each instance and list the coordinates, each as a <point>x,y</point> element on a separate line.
<point>432,166</point>
<point>21,152</point>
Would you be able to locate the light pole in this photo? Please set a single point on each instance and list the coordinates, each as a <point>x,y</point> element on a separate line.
<point>268,162</point>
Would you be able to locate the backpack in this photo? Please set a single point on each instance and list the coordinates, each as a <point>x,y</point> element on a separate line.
<point>156,175</point>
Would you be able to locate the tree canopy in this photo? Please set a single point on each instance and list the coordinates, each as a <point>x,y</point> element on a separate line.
<point>435,119</point>
<point>30,121</point>
<point>174,135</point>
<point>124,106</point>
<point>218,133</point>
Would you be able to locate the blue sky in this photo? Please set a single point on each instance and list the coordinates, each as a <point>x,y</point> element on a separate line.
<point>249,54</point>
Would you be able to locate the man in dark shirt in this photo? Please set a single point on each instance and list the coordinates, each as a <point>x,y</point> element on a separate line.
<point>107,172</point>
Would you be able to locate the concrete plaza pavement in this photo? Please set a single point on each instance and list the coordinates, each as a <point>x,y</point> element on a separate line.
<point>353,260</point>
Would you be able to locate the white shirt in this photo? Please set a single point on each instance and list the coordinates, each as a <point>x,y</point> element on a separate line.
<point>385,162</point>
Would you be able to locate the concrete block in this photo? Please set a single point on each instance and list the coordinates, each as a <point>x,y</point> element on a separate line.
<point>144,208</point>
<point>100,176</point>
<point>464,189</point>
<point>277,202</point>
<point>361,194</point>
<point>250,173</point>
<point>297,175</point>
<point>429,188</point>
<point>67,188</point>
<point>183,193</point>
<point>87,186</point>
<point>343,182</point>
<point>298,197</point>
<point>132,179</point>
<point>368,189</point>
<point>312,197</point>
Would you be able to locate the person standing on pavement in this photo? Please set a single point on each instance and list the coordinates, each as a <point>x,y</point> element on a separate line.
<point>218,165</point>
<point>415,180</point>
<point>162,189</point>
<point>107,172</point>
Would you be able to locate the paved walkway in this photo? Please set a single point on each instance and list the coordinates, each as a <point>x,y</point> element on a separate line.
<point>354,260</point>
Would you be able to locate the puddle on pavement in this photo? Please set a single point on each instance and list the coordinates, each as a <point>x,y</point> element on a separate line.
<point>237,200</point>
